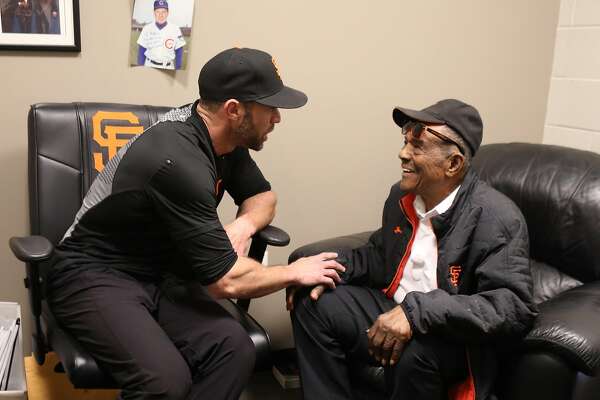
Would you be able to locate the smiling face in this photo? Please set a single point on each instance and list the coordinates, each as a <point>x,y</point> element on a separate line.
<point>424,164</point>
<point>259,120</point>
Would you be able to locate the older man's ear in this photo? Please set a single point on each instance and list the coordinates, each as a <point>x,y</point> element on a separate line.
<point>455,165</point>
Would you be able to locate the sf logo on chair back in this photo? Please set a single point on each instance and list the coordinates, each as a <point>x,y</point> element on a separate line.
<point>109,137</point>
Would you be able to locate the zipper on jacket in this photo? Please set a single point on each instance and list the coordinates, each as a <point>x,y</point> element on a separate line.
<point>414,223</point>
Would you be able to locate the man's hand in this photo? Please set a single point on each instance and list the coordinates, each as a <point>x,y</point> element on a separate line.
<point>321,269</point>
<point>388,335</point>
<point>290,292</point>
<point>239,232</point>
<point>316,291</point>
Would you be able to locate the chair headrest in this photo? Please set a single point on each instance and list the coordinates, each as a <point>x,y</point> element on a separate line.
<point>558,191</point>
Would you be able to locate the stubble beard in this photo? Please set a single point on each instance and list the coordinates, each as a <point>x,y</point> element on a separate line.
<point>249,136</point>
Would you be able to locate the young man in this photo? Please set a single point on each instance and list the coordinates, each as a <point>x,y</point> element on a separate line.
<point>149,221</point>
<point>441,283</point>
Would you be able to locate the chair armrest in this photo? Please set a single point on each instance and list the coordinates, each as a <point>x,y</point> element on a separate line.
<point>31,248</point>
<point>273,236</point>
<point>336,244</point>
<point>569,326</point>
<point>269,235</point>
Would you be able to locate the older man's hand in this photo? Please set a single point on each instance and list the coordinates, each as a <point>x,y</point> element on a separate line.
<point>290,292</point>
<point>388,335</point>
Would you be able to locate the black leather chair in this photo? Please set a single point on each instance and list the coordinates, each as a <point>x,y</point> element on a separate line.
<point>68,145</point>
<point>558,191</point>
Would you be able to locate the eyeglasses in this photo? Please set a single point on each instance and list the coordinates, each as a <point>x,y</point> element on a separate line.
<point>417,129</point>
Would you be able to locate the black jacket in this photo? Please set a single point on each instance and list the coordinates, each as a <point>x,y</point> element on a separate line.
<point>485,292</point>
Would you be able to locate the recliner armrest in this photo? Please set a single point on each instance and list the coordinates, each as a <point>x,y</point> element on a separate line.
<point>336,244</point>
<point>31,248</point>
<point>273,236</point>
<point>569,326</point>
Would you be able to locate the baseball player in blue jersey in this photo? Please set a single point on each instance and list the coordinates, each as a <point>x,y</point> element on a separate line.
<point>161,42</point>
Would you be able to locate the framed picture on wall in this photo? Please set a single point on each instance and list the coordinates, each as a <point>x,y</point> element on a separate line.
<point>161,33</point>
<point>39,25</point>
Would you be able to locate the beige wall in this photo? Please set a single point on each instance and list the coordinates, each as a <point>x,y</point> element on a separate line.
<point>572,116</point>
<point>333,161</point>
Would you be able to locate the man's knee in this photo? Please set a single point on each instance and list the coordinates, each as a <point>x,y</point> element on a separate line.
<point>328,304</point>
<point>331,317</point>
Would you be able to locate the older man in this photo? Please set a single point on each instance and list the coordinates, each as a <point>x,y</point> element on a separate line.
<point>438,285</point>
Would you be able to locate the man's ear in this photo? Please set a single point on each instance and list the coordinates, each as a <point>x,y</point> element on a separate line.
<point>234,110</point>
<point>454,164</point>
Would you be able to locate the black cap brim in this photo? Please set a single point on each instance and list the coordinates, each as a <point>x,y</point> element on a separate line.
<point>285,98</point>
<point>403,115</point>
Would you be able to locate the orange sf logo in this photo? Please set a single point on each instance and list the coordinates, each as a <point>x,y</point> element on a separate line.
<point>276,67</point>
<point>455,274</point>
<point>113,137</point>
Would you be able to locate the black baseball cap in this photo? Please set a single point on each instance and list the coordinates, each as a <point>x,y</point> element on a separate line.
<point>459,116</point>
<point>247,75</point>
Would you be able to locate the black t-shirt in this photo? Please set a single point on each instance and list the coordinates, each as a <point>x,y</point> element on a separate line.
<point>153,208</point>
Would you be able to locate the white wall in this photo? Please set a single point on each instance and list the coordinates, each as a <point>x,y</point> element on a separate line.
<point>573,115</point>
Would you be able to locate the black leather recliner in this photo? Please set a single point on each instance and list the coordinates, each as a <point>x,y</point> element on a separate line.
<point>558,191</point>
<point>68,145</point>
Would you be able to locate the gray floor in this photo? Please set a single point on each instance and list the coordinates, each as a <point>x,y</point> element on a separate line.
<point>263,386</point>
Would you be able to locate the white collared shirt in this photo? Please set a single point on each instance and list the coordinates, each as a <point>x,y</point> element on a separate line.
<point>420,271</point>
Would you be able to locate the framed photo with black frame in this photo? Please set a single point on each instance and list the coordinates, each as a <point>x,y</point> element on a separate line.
<point>40,25</point>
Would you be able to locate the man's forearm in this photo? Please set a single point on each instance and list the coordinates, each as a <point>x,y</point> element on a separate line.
<point>258,211</point>
<point>248,279</point>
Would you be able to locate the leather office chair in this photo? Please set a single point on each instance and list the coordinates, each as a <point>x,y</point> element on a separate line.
<point>558,191</point>
<point>68,146</point>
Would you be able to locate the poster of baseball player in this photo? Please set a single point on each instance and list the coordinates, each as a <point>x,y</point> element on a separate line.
<point>161,33</point>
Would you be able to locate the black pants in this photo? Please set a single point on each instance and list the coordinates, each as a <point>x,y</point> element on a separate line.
<point>157,343</point>
<point>331,340</point>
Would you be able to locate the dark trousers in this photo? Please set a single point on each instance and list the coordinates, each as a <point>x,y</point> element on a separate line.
<point>331,341</point>
<point>157,343</point>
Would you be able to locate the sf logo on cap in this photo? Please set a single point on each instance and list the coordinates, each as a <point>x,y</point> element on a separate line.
<point>276,67</point>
